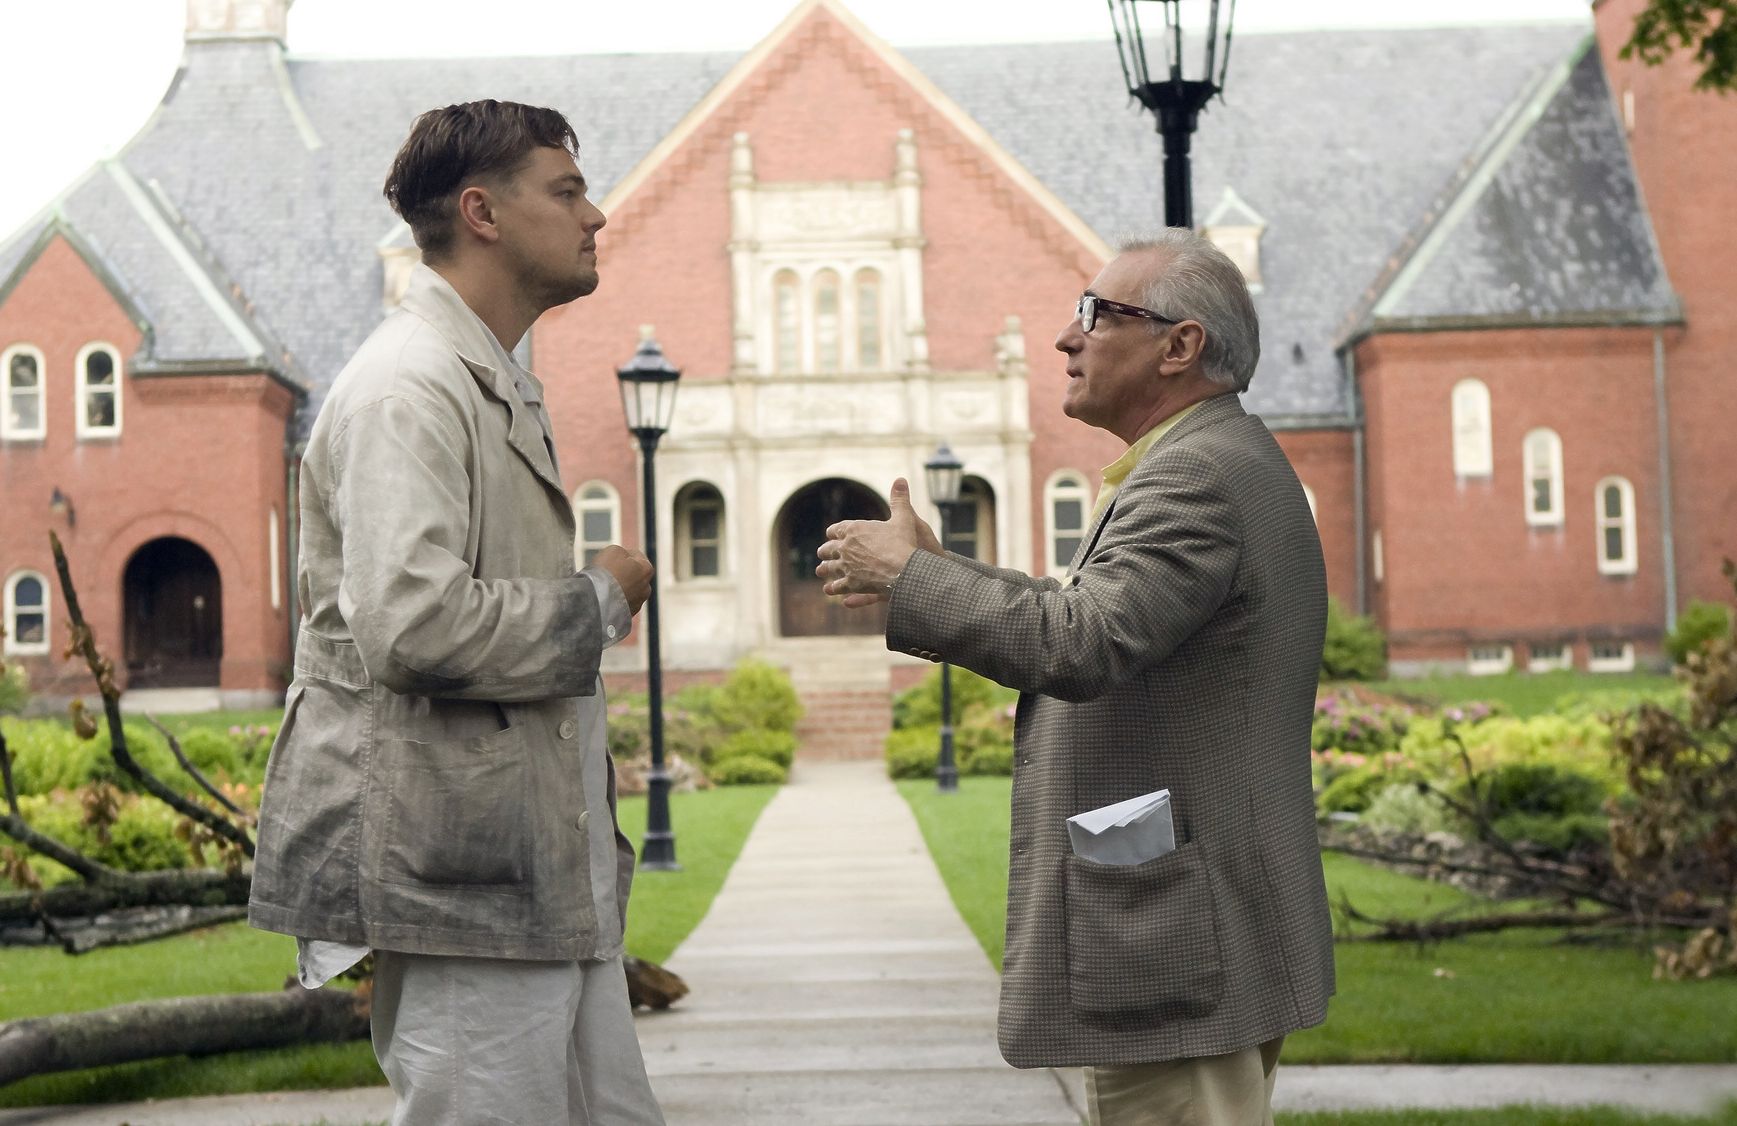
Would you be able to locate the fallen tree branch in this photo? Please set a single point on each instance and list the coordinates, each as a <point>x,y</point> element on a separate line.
<point>193,771</point>
<point>181,1026</point>
<point>84,643</point>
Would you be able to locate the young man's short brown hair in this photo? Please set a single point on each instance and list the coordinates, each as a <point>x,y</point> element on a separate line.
<point>451,147</point>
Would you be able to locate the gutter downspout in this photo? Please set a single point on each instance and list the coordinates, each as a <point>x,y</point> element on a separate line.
<point>1354,401</point>
<point>1667,533</point>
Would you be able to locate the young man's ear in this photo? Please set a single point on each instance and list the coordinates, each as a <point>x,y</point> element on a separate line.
<point>476,212</point>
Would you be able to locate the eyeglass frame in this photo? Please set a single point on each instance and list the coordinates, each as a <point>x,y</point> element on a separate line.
<point>1087,324</point>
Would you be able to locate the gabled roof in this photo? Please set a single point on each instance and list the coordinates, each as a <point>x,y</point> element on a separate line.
<point>1543,225</point>
<point>191,316</point>
<point>1342,138</point>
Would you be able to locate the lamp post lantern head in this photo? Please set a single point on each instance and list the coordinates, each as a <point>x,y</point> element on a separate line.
<point>944,472</point>
<point>648,388</point>
<point>1173,94</point>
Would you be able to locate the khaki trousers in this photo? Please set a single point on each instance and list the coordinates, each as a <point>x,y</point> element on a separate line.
<point>1230,1090</point>
<point>491,1042</point>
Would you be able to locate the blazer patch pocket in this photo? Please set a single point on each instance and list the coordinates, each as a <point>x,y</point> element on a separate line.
<point>1142,939</point>
<point>456,811</point>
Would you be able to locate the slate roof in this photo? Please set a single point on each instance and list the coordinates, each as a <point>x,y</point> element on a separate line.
<point>1340,140</point>
<point>1545,226</point>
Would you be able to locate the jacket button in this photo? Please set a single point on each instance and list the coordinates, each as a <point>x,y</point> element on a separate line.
<point>568,728</point>
<point>583,821</point>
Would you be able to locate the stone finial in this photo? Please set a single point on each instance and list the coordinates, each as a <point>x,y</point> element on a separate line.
<point>221,20</point>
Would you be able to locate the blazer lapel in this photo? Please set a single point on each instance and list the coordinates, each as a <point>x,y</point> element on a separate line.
<point>1213,410</point>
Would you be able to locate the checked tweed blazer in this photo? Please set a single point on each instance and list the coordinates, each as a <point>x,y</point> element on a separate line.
<point>1182,653</point>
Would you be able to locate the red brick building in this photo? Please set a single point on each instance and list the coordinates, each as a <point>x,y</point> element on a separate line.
<point>1494,325</point>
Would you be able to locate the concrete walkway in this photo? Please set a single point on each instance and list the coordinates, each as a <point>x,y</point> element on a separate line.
<point>834,984</point>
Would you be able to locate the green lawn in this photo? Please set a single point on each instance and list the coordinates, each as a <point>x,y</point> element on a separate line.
<point>710,829</point>
<point>1503,1116</point>
<point>1516,997</point>
<point>1529,694</point>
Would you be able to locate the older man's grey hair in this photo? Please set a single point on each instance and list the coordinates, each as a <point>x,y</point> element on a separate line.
<point>1199,282</point>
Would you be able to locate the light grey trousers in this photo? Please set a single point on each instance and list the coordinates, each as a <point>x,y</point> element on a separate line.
<point>491,1042</point>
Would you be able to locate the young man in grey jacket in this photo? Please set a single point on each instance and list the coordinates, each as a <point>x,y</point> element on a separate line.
<point>441,792</point>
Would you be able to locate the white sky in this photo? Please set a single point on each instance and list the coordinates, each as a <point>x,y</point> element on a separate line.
<point>81,76</point>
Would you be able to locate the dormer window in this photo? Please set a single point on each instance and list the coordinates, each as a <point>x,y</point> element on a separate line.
<point>1235,228</point>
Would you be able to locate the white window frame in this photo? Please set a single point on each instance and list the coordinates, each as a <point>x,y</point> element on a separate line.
<point>1536,661</point>
<point>1533,471</point>
<point>7,430</point>
<point>84,429</point>
<point>685,542</point>
<point>1473,451</point>
<point>610,503</point>
<point>1626,564</point>
<point>1620,661</point>
<point>15,647</point>
<point>1064,484</point>
<point>1489,660</point>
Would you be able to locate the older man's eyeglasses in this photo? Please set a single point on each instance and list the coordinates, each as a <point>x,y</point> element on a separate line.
<point>1091,304</point>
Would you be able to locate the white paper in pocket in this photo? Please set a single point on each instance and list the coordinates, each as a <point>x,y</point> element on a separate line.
<point>1129,832</point>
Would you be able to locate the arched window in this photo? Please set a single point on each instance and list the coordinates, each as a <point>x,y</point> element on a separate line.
<point>868,320</point>
<point>971,521</point>
<point>26,614</point>
<point>787,316</point>
<point>99,391</point>
<point>699,509</point>
<point>597,511</point>
<point>1471,422</point>
<point>1616,554</point>
<point>826,322</point>
<point>1065,506</point>
<point>21,398</point>
<point>1542,459</point>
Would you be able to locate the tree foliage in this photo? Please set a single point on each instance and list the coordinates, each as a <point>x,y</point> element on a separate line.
<point>1709,27</point>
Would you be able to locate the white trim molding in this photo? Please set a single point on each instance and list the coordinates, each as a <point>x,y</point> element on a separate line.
<point>1541,458</point>
<point>14,645</point>
<point>1619,523</point>
<point>85,391</point>
<point>8,424</point>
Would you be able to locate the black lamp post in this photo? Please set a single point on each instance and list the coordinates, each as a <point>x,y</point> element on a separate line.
<point>945,471</point>
<point>1174,100</point>
<point>648,387</point>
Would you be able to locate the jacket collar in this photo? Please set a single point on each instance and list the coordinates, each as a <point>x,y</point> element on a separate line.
<point>432,298</point>
<point>1219,408</point>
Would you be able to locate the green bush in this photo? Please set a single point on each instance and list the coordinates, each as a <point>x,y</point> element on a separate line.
<point>747,770</point>
<point>756,696</point>
<point>990,758</point>
<point>1406,807</point>
<point>1538,788</point>
<point>1698,624</point>
<point>912,752</point>
<point>1355,648</point>
<point>974,698</point>
<point>774,746</point>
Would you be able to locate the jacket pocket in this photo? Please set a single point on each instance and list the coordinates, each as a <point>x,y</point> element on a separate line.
<point>1142,939</point>
<point>457,811</point>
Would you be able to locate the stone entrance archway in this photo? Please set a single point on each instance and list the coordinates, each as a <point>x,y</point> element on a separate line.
<point>172,603</point>
<point>803,610</point>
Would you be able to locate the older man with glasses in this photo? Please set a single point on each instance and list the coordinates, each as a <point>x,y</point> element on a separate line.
<point>1181,655</point>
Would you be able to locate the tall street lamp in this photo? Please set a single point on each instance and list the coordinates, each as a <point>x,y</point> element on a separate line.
<point>944,472</point>
<point>1174,100</point>
<point>648,387</point>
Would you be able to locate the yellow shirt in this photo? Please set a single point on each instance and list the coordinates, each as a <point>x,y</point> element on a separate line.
<point>1117,471</point>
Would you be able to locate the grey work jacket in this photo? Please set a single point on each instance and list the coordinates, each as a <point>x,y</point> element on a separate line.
<point>424,794</point>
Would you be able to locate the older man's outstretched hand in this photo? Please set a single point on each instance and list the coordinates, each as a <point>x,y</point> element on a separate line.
<point>861,558</point>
